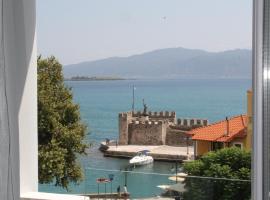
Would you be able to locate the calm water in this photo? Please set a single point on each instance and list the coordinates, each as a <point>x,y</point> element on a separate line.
<point>101,101</point>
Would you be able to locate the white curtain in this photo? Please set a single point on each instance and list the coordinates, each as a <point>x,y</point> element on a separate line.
<point>6,185</point>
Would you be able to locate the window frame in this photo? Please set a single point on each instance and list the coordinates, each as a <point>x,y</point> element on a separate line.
<point>235,144</point>
<point>261,98</point>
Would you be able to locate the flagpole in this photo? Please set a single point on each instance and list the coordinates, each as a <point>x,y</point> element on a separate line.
<point>133,99</point>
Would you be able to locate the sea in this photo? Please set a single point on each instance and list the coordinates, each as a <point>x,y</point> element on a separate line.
<point>101,101</point>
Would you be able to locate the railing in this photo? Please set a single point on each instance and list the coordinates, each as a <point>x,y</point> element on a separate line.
<point>142,182</point>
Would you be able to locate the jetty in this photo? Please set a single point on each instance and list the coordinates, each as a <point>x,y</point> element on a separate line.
<point>159,152</point>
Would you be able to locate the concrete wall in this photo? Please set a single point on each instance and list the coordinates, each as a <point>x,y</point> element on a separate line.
<point>202,147</point>
<point>148,133</point>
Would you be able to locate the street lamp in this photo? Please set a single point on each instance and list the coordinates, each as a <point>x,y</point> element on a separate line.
<point>111,176</point>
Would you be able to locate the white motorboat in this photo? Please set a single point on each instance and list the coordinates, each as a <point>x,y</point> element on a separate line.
<point>142,158</point>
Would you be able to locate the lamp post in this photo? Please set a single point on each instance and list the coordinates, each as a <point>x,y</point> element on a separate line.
<point>126,176</point>
<point>187,145</point>
<point>176,166</point>
<point>111,177</point>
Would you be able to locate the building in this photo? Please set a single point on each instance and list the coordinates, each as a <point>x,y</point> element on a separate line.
<point>226,133</point>
<point>156,128</point>
<point>248,138</point>
<point>236,131</point>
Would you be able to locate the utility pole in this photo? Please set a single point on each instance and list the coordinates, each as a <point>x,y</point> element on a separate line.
<point>133,98</point>
<point>187,146</point>
<point>126,176</point>
<point>176,166</point>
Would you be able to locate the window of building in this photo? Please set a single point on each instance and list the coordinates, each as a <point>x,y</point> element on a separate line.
<point>238,145</point>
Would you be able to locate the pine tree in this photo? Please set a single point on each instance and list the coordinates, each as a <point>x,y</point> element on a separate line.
<point>61,132</point>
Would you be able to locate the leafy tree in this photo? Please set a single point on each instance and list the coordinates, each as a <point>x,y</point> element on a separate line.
<point>60,130</point>
<point>229,163</point>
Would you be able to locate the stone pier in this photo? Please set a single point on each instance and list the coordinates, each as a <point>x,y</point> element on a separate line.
<point>161,152</point>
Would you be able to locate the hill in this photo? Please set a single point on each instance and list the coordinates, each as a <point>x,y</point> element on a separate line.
<point>169,63</point>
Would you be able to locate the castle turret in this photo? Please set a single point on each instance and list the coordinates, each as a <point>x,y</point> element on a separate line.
<point>124,120</point>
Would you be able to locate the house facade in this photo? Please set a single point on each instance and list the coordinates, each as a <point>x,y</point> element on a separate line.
<point>234,131</point>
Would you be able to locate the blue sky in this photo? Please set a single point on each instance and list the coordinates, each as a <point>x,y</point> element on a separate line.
<point>82,30</point>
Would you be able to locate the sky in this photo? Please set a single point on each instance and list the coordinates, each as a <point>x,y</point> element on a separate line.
<point>83,30</point>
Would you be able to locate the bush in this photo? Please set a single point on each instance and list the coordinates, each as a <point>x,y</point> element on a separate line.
<point>232,164</point>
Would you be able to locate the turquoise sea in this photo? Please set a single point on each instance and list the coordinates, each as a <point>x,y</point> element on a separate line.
<point>101,101</point>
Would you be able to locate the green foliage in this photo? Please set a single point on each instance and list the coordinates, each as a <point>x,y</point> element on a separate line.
<point>229,163</point>
<point>60,130</point>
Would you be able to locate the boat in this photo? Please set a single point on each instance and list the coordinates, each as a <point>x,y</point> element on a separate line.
<point>142,158</point>
<point>105,145</point>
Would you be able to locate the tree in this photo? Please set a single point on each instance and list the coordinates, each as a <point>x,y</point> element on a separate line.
<point>233,164</point>
<point>61,132</point>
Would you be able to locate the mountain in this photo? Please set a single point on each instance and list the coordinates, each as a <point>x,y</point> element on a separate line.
<point>169,63</point>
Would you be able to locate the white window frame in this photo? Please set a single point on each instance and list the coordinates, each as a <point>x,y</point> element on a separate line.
<point>261,100</point>
<point>238,143</point>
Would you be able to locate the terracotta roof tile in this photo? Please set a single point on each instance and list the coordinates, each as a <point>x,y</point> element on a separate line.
<point>218,131</point>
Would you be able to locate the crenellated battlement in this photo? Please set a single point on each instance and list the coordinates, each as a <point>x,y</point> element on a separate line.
<point>125,114</point>
<point>192,122</point>
<point>137,122</point>
<point>165,114</point>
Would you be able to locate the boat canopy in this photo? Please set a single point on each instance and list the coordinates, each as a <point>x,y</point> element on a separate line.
<point>144,152</point>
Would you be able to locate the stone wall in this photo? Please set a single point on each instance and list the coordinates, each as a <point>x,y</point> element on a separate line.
<point>148,133</point>
<point>157,128</point>
<point>124,120</point>
<point>191,123</point>
<point>176,137</point>
<point>156,116</point>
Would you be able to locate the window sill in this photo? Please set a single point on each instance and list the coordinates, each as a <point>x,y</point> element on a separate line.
<point>50,196</point>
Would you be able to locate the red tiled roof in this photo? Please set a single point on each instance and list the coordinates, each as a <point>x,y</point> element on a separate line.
<point>217,132</point>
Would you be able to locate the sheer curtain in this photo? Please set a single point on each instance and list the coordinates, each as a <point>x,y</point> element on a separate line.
<point>6,188</point>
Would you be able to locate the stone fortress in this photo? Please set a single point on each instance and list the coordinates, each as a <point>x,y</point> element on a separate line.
<point>156,128</point>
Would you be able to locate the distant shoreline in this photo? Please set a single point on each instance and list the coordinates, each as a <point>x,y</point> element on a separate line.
<point>155,79</point>
<point>85,78</point>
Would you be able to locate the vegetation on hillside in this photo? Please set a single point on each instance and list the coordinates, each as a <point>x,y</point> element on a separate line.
<point>232,164</point>
<point>94,78</point>
<point>60,129</point>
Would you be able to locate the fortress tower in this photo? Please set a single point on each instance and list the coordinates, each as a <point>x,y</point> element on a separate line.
<point>155,128</point>
<point>124,119</point>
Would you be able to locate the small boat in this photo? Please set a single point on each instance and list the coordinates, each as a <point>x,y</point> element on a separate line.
<point>104,146</point>
<point>142,158</point>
